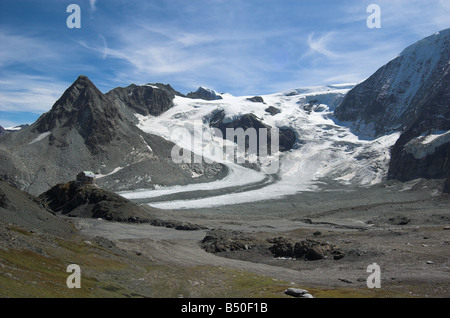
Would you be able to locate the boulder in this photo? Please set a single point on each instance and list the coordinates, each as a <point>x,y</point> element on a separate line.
<point>314,253</point>
<point>298,292</point>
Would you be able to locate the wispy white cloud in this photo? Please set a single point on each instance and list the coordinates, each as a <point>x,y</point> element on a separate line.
<point>321,45</point>
<point>155,51</point>
<point>92,6</point>
<point>29,93</point>
<point>22,48</point>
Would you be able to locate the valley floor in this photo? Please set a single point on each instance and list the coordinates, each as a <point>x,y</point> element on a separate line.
<point>404,228</point>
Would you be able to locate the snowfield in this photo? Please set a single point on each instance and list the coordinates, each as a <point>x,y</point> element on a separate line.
<point>324,151</point>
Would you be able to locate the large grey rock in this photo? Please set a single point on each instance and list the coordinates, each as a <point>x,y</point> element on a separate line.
<point>315,253</point>
<point>298,292</point>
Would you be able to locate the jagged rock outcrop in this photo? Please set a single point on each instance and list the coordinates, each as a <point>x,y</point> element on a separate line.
<point>2,131</point>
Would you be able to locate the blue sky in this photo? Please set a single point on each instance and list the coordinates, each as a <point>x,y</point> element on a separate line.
<point>242,47</point>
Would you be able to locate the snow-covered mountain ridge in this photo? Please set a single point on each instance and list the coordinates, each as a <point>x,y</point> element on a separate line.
<point>390,99</point>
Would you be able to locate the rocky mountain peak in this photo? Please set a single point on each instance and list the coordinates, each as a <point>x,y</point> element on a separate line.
<point>77,105</point>
<point>85,109</point>
<point>204,93</point>
<point>81,90</point>
<point>83,80</point>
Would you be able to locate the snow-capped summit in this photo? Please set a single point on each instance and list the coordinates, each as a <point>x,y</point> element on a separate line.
<point>390,99</point>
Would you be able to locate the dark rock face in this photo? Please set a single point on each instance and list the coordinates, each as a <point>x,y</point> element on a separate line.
<point>410,157</point>
<point>2,131</point>
<point>404,166</point>
<point>287,136</point>
<point>96,114</point>
<point>287,139</point>
<point>204,93</point>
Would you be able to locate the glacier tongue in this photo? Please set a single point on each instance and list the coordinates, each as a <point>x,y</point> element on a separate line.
<point>324,152</point>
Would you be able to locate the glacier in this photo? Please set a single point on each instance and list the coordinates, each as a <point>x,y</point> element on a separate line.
<point>326,151</point>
